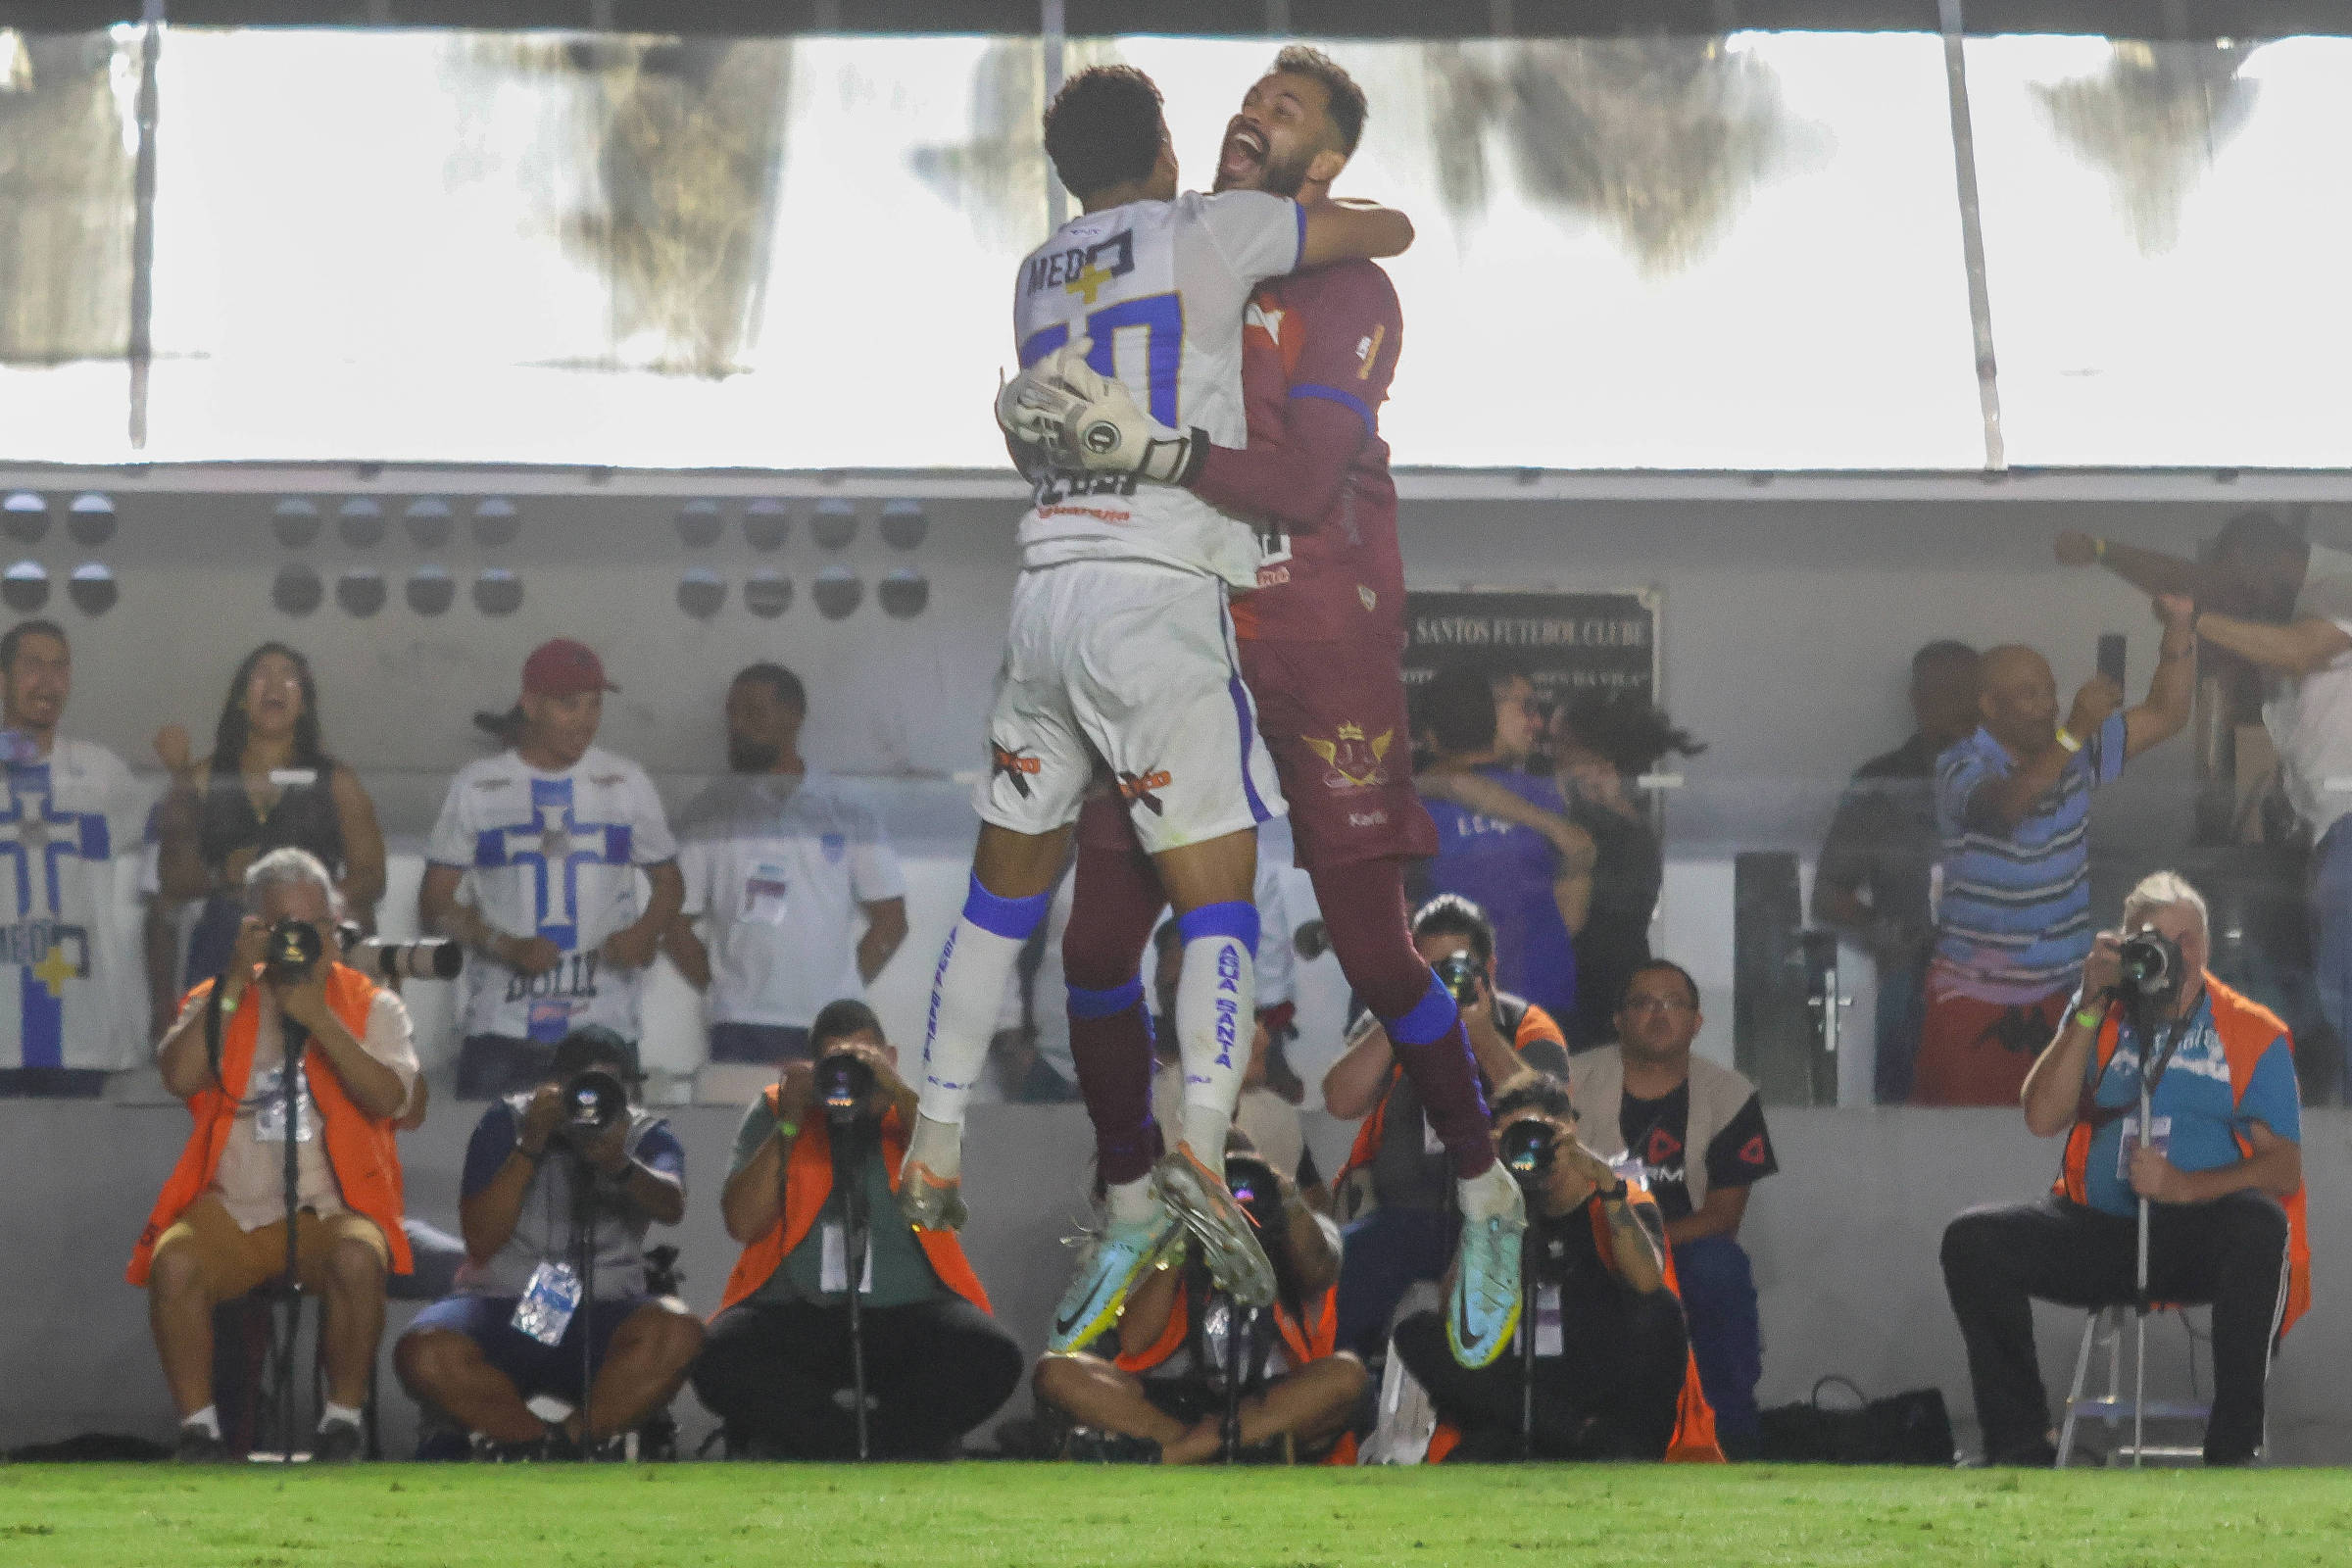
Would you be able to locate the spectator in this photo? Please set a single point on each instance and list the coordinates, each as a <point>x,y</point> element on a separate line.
<point>2285,607</point>
<point>776,1368</point>
<point>219,1228</point>
<point>1529,869</point>
<point>68,808</point>
<point>269,784</point>
<point>1603,744</point>
<point>781,864</point>
<point>550,836</point>
<point>2223,1178</point>
<point>1613,1377</point>
<point>521,1210</point>
<point>1698,1131</point>
<point>1875,879</point>
<point>1162,1389</point>
<point>2013,808</point>
<point>1397,1160</point>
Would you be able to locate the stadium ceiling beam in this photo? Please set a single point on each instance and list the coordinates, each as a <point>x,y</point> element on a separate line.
<point>2198,486</point>
<point>1360,19</point>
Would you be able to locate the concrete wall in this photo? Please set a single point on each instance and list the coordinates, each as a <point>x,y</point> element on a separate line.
<point>1845,1241</point>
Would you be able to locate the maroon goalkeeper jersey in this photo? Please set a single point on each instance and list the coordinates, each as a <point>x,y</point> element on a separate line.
<point>1329,334</point>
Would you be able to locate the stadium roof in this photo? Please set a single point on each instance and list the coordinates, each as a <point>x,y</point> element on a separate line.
<point>1365,18</point>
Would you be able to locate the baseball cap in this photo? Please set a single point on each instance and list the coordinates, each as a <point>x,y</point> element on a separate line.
<point>563,667</point>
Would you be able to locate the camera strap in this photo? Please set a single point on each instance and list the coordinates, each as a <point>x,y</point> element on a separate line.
<point>211,1027</point>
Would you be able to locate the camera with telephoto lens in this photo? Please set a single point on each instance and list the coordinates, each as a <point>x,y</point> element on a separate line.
<point>398,960</point>
<point>1527,1150</point>
<point>2152,965</point>
<point>845,1082</point>
<point>291,952</point>
<point>1460,974</point>
<point>594,1100</point>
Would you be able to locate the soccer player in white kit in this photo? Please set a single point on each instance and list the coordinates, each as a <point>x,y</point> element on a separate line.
<point>1120,653</point>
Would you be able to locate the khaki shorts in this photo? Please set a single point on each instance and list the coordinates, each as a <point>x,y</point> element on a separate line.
<point>232,1260</point>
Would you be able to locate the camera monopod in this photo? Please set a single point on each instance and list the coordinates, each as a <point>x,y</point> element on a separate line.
<point>1528,1147</point>
<point>844,1082</point>
<point>593,1100</point>
<point>296,1037</point>
<point>2151,988</point>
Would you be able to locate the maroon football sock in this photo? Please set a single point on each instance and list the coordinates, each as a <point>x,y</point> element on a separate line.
<point>1112,911</point>
<point>1364,910</point>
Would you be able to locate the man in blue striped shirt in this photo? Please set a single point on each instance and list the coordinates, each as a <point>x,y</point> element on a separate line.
<point>2013,808</point>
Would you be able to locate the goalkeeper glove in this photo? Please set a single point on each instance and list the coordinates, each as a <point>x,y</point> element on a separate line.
<point>1090,422</point>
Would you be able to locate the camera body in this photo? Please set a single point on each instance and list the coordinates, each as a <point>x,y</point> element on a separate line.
<point>291,950</point>
<point>1461,974</point>
<point>2153,968</point>
<point>593,1102</point>
<point>845,1082</point>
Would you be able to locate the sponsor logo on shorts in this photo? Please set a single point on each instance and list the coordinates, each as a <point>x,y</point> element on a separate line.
<point>1355,763</point>
<point>1018,766</point>
<point>1143,789</point>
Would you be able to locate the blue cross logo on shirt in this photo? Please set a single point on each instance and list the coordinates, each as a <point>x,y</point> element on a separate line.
<point>555,847</point>
<point>36,839</point>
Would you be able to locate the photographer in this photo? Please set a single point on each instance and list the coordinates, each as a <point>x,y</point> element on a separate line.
<point>1165,1392</point>
<point>778,1367</point>
<point>478,1356</point>
<point>2224,1174</point>
<point>1395,1162</point>
<point>1614,1378</point>
<point>219,1228</point>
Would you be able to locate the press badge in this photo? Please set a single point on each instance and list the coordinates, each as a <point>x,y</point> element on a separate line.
<point>833,1274</point>
<point>2160,1138</point>
<point>548,1301</point>
<point>269,1112</point>
<point>1549,1341</point>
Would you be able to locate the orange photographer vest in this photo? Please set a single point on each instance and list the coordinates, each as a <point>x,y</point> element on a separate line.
<point>1304,1342</point>
<point>2245,1029</point>
<point>808,1183</point>
<point>361,1148</point>
<point>1693,1440</point>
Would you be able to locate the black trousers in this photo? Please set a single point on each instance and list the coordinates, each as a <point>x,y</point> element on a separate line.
<point>2229,1254</point>
<point>1610,1395</point>
<point>779,1378</point>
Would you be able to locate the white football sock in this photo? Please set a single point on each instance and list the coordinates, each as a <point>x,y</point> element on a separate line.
<point>1131,1202</point>
<point>208,1418</point>
<point>1215,1015</point>
<point>967,993</point>
<point>1489,1193</point>
<point>330,1412</point>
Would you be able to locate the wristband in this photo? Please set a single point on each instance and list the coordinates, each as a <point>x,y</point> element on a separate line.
<point>2098,549</point>
<point>2065,738</point>
<point>2089,1017</point>
<point>787,1129</point>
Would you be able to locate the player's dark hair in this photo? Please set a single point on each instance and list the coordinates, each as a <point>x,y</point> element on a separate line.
<point>1449,915</point>
<point>838,1020</point>
<point>1456,708</point>
<point>1659,967</point>
<point>1625,728</point>
<point>1348,104</point>
<point>776,678</point>
<point>1104,128</point>
<point>16,635</point>
<point>1544,1092</point>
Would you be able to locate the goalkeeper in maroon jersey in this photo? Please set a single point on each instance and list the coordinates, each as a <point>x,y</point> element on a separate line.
<point>1322,642</point>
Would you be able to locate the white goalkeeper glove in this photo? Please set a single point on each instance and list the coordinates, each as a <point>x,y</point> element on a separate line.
<point>1088,421</point>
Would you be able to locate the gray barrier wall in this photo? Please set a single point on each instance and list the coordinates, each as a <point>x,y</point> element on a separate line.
<point>1845,1241</point>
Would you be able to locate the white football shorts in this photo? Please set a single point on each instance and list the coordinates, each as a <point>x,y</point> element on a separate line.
<point>1133,664</point>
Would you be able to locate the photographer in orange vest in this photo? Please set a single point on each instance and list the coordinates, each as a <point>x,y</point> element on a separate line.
<point>2223,1174</point>
<point>219,1229</point>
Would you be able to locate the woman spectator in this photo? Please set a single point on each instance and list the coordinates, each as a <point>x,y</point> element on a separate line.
<point>269,784</point>
<point>1603,744</point>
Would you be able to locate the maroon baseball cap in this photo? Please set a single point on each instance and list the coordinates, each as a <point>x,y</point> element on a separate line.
<point>561,668</point>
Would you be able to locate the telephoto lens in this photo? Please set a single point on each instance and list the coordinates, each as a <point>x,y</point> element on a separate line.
<point>2151,964</point>
<point>593,1102</point>
<point>1527,1150</point>
<point>1459,973</point>
<point>843,1084</point>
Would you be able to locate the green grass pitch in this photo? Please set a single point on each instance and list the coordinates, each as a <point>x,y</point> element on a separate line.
<point>420,1516</point>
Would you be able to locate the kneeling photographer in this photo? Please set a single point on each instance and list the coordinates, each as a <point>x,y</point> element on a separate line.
<point>1612,1374</point>
<point>796,1366</point>
<point>560,1186</point>
<point>1181,1386</point>
<point>2218,1180</point>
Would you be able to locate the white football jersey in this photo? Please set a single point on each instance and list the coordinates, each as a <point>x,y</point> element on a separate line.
<point>1158,288</point>
<point>63,949</point>
<point>553,855</point>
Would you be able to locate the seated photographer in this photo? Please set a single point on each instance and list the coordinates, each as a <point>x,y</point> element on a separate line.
<point>1397,1160</point>
<point>1163,1392</point>
<point>567,1172</point>
<point>778,1368</point>
<point>218,1227</point>
<point>1698,1131</point>
<point>1614,1378</point>
<point>2222,1177</point>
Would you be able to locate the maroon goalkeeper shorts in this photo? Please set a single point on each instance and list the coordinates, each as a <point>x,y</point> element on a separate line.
<point>1332,717</point>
